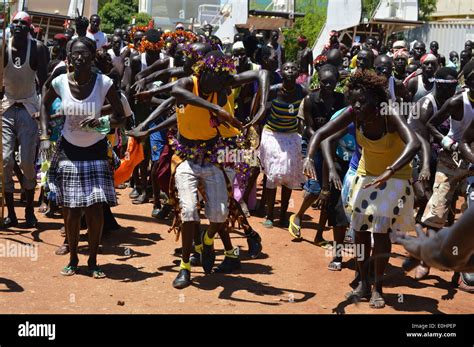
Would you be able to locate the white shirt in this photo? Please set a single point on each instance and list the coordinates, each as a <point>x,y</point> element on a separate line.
<point>77,110</point>
<point>99,37</point>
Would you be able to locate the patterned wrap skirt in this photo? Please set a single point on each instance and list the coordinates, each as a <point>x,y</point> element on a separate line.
<point>75,184</point>
<point>380,210</point>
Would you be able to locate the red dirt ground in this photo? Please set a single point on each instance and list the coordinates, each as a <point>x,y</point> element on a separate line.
<point>289,277</point>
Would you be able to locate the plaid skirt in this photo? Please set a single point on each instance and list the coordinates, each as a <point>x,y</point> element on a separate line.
<point>75,184</point>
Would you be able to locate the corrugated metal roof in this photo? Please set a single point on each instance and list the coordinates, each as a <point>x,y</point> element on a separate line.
<point>450,35</point>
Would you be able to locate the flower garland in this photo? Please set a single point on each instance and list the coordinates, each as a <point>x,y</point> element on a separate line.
<point>134,30</point>
<point>146,45</point>
<point>218,65</point>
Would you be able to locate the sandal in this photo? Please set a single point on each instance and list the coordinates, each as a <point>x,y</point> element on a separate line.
<point>324,244</point>
<point>335,266</point>
<point>164,212</point>
<point>376,301</point>
<point>62,250</point>
<point>421,272</point>
<point>268,224</point>
<point>43,208</point>
<point>357,295</point>
<point>97,273</point>
<point>294,230</point>
<point>69,270</point>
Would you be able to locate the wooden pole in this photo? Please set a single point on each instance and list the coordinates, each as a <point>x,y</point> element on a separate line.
<point>2,67</point>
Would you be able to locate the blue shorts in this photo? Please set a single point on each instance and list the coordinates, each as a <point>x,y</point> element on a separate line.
<point>313,186</point>
<point>157,142</point>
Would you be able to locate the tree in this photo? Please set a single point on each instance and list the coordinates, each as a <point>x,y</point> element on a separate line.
<point>117,13</point>
<point>142,18</point>
<point>426,9</point>
<point>310,25</point>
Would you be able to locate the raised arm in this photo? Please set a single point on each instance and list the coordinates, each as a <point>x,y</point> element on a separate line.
<point>164,106</point>
<point>160,75</point>
<point>263,78</point>
<point>160,64</point>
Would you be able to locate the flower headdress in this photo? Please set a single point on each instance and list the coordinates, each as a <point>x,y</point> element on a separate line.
<point>146,45</point>
<point>217,65</point>
<point>174,38</point>
<point>134,30</point>
<point>191,53</point>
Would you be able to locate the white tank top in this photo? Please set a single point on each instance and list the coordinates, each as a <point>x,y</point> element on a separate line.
<point>77,110</point>
<point>421,91</point>
<point>143,60</point>
<point>457,128</point>
<point>391,88</point>
<point>424,101</point>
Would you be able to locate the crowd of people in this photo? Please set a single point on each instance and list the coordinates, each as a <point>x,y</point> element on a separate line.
<point>192,123</point>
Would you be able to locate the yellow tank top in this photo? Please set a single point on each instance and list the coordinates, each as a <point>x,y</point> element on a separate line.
<point>194,122</point>
<point>377,155</point>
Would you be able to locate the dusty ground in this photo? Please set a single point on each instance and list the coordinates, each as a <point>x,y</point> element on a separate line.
<point>140,263</point>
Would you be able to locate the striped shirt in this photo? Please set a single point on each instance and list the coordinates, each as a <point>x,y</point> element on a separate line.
<point>283,115</point>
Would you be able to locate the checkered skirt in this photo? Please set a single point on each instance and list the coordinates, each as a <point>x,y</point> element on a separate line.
<point>76,184</point>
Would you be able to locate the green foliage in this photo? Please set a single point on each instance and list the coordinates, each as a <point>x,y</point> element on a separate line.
<point>309,26</point>
<point>142,18</point>
<point>117,13</point>
<point>426,8</point>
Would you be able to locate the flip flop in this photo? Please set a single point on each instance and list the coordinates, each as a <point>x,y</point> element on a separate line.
<point>97,273</point>
<point>267,224</point>
<point>69,270</point>
<point>294,230</point>
<point>335,266</point>
<point>377,302</point>
<point>324,244</point>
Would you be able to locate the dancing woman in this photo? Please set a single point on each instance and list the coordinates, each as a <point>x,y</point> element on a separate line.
<point>79,177</point>
<point>280,147</point>
<point>381,196</point>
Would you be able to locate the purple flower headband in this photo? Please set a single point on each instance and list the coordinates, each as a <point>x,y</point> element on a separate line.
<point>213,64</point>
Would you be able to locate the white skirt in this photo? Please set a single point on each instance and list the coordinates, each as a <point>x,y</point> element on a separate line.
<point>281,159</point>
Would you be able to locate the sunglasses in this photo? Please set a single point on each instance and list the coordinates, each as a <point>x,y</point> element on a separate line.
<point>85,55</point>
<point>22,22</point>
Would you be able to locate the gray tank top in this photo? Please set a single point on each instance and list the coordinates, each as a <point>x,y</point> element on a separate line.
<point>19,79</point>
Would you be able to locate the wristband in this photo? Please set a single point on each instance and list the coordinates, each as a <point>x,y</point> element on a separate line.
<point>44,138</point>
<point>447,143</point>
<point>104,127</point>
